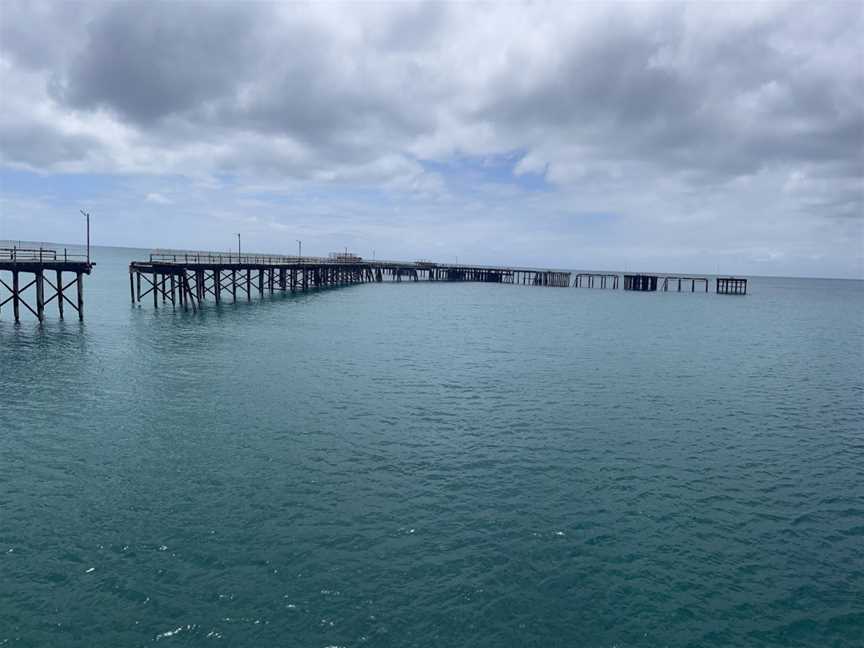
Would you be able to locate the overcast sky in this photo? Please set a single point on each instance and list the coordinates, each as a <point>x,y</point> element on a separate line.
<point>665,137</point>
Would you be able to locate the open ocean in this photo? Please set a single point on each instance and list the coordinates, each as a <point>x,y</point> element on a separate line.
<point>436,464</point>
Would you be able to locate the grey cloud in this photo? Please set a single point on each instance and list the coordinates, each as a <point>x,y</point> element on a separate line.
<point>616,94</point>
<point>37,34</point>
<point>147,61</point>
<point>625,88</point>
<point>42,147</point>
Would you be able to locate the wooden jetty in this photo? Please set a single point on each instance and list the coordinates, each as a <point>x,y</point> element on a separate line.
<point>588,279</point>
<point>680,280</point>
<point>731,286</point>
<point>188,279</point>
<point>24,268</point>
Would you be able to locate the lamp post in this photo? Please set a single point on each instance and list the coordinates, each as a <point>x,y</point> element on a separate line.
<point>87,216</point>
<point>238,247</point>
<point>299,248</point>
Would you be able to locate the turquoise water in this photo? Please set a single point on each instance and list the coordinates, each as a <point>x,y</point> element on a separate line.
<point>436,465</point>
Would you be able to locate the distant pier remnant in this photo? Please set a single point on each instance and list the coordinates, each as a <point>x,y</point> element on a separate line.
<point>731,286</point>
<point>43,264</point>
<point>640,282</point>
<point>691,280</point>
<point>589,279</point>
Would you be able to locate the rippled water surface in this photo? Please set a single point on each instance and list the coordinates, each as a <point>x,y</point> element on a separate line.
<point>436,465</point>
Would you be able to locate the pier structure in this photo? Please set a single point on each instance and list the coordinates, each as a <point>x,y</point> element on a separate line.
<point>589,279</point>
<point>731,286</point>
<point>187,279</point>
<point>684,280</point>
<point>640,282</point>
<point>32,278</point>
<point>430,271</point>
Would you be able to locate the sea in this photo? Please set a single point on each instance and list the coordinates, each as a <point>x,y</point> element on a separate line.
<point>436,464</point>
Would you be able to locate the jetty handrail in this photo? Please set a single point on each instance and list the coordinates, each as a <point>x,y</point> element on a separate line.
<point>203,257</point>
<point>39,254</point>
<point>230,257</point>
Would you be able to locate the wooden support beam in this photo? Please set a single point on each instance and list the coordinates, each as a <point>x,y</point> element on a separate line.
<point>80,283</point>
<point>40,296</point>
<point>16,310</point>
<point>59,290</point>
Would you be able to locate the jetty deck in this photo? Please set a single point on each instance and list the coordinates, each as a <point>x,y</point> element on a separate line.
<point>187,279</point>
<point>26,280</point>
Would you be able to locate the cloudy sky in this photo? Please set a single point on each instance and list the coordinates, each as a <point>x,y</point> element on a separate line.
<point>667,137</point>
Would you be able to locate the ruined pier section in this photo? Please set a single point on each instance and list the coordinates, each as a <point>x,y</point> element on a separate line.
<point>595,279</point>
<point>32,278</point>
<point>188,279</point>
<point>731,286</point>
<point>666,283</point>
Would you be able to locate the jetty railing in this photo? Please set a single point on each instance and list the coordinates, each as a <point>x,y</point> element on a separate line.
<point>38,255</point>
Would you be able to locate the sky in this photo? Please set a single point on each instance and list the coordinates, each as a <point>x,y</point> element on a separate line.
<point>698,138</point>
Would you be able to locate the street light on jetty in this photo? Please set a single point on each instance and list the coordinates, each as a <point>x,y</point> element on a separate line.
<point>299,248</point>
<point>238,247</point>
<point>87,216</point>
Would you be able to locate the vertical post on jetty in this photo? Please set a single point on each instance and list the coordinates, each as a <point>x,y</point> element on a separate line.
<point>131,290</point>
<point>155,291</point>
<point>138,286</point>
<point>16,308</point>
<point>248,284</point>
<point>40,295</point>
<point>173,291</point>
<point>80,296</point>
<point>234,280</point>
<point>60,292</point>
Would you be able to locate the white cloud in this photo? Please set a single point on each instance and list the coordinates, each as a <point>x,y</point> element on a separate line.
<point>157,198</point>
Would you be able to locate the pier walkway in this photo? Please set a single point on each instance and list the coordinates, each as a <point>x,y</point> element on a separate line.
<point>187,279</point>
